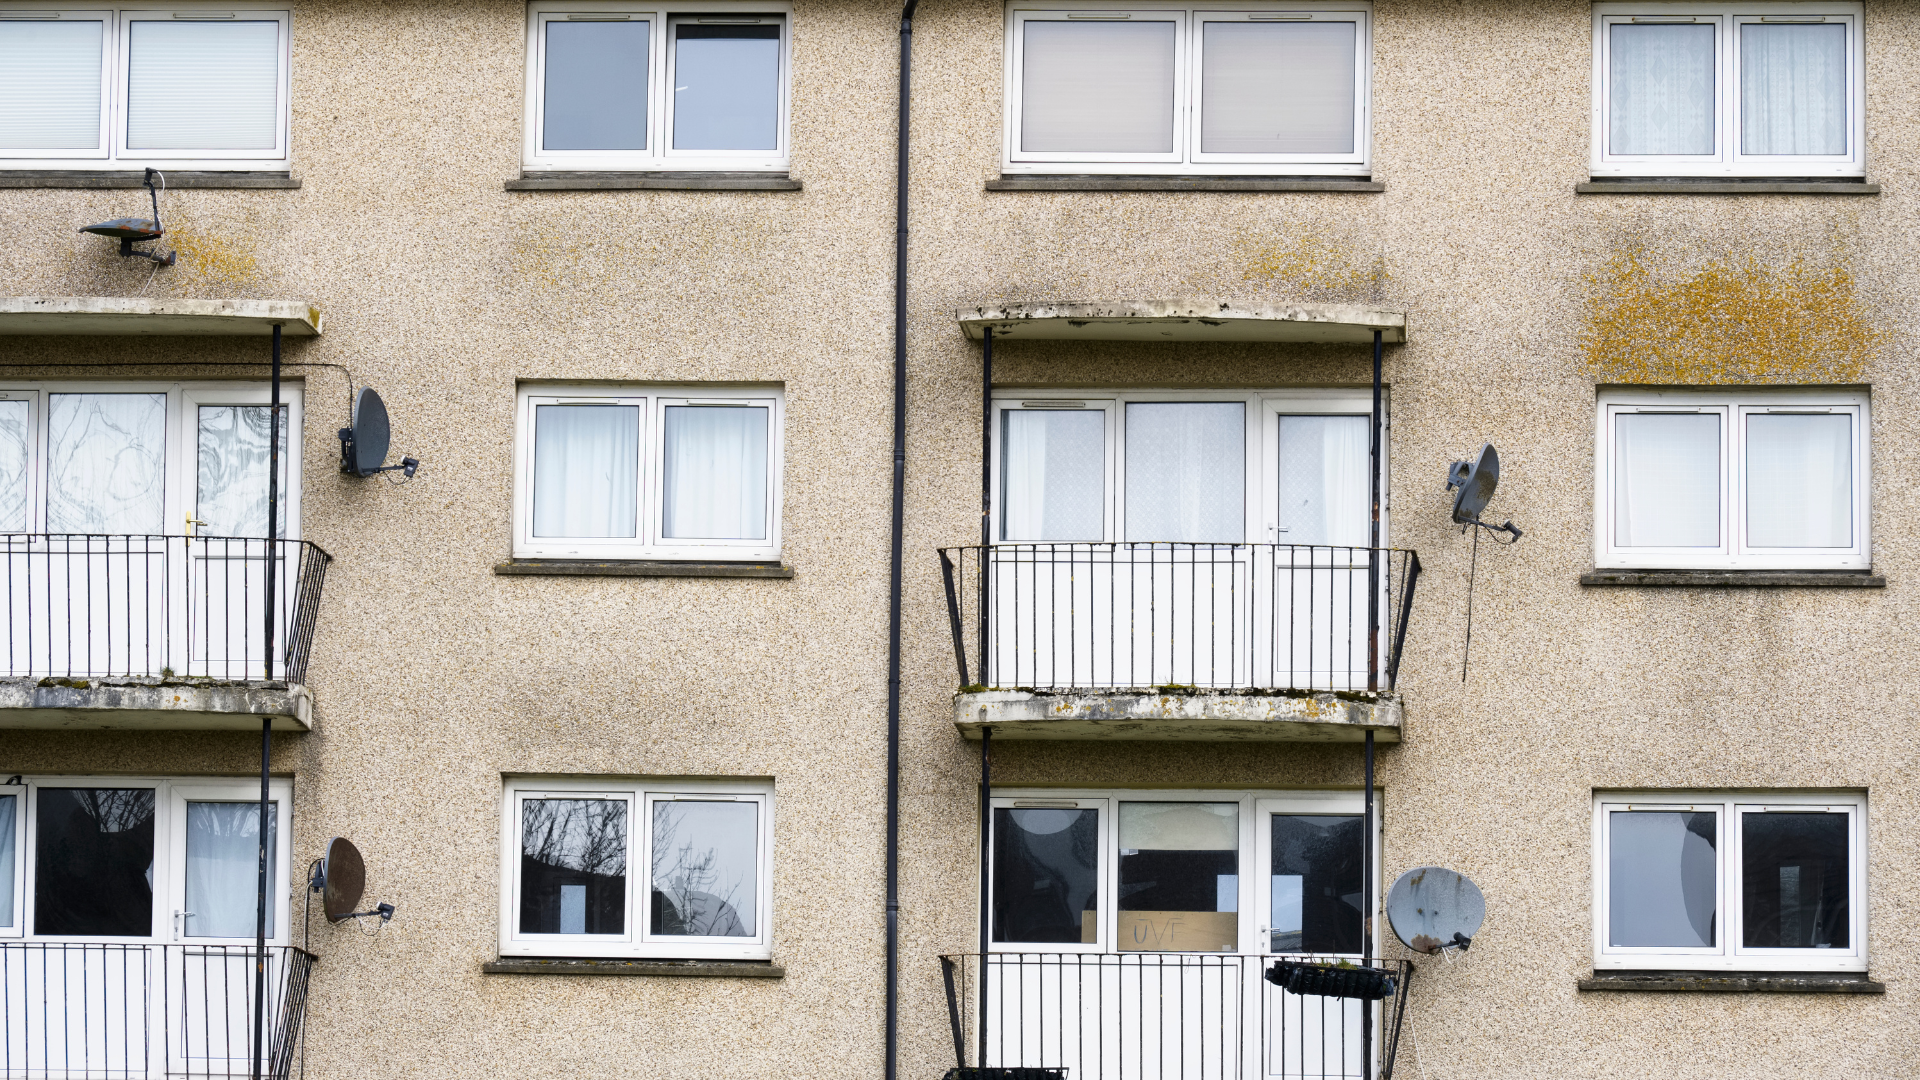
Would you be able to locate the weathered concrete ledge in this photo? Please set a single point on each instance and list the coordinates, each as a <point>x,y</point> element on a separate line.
<point>653,181</point>
<point>1186,319</point>
<point>1697,982</point>
<point>153,704</point>
<point>144,315</point>
<point>639,568</point>
<point>1178,715</point>
<point>1739,579</point>
<point>1241,184</point>
<point>137,178</point>
<point>1726,187</point>
<point>694,969</point>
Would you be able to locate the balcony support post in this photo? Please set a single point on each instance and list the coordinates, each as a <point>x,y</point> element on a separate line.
<point>986,899</point>
<point>1373,533</point>
<point>986,495</point>
<point>266,723</point>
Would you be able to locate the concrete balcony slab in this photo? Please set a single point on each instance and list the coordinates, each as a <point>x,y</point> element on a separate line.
<point>1178,715</point>
<point>152,704</point>
<point>1182,320</point>
<point>112,315</point>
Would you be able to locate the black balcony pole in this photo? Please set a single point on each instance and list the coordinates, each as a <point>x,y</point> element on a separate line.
<point>986,899</point>
<point>1373,686</point>
<point>266,722</point>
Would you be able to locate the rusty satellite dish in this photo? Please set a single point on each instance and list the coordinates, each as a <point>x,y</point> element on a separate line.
<point>1433,908</point>
<point>343,877</point>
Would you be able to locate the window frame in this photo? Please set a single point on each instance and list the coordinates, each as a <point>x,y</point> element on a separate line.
<point>19,790</point>
<point>659,155</point>
<point>1186,157</point>
<point>1728,954</point>
<point>647,543</point>
<point>169,852</point>
<point>1263,408</point>
<point>1254,860</point>
<point>180,456</point>
<point>637,941</point>
<point>1727,158</point>
<point>1735,404</point>
<point>113,152</point>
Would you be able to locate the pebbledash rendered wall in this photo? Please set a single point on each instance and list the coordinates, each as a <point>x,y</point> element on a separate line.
<point>433,677</point>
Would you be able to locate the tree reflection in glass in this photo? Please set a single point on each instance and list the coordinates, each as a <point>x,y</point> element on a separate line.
<point>1315,902</point>
<point>106,463</point>
<point>706,861</point>
<point>1793,870</point>
<point>573,866</point>
<point>14,418</point>
<point>233,470</point>
<point>93,862</point>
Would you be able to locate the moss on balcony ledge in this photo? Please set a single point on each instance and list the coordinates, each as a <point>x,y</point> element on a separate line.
<point>1178,714</point>
<point>161,703</point>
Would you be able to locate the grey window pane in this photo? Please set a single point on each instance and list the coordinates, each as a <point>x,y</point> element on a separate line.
<point>1186,472</point>
<point>1316,895</point>
<point>15,430</point>
<point>1179,877</point>
<point>223,868</point>
<point>93,862</point>
<point>573,866</point>
<point>714,472</point>
<point>1046,886</point>
<point>1097,87</point>
<point>1661,874</point>
<point>1793,89</point>
<point>1794,881</point>
<point>106,467</point>
<point>1800,480</point>
<point>232,465</point>
<point>1277,88</point>
<point>9,819</point>
<point>595,97</point>
<point>706,868</point>
<point>726,87</point>
<point>586,470</point>
<point>1053,475</point>
<point>1667,480</point>
<point>1662,88</point>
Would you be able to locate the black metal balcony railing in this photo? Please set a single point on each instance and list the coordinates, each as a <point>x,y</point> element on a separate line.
<point>1217,616</point>
<point>1161,1016</point>
<point>100,606</point>
<point>120,1012</point>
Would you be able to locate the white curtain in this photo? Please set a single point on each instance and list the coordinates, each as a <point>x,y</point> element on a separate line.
<point>14,428</point>
<point>50,82</point>
<point>1793,89</point>
<point>716,472</point>
<point>195,85</point>
<point>223,867</point>
<point>1661,887</point>
<point>9,811</point>
<point>1186,472</point>
<point>1277,88</point>
<point>1667,480</point>
<point>232,470</point>
<point>1324,494</point>
<point>586,470</point>
<point>1663,88</point>
<point>106,463</point>
<point>1800,480</point>
<point>1053,475</point>
<point>1097,87</point>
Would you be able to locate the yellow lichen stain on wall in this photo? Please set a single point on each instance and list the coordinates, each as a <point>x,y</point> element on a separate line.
<point>212,261</point>
<point>1315,266</point>
<point>1732,320</point>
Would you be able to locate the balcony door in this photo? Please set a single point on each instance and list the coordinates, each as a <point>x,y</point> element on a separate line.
<point>228,558</point>
<point>1307,854</point>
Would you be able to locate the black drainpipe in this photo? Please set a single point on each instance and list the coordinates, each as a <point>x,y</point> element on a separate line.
<point>899,541</point>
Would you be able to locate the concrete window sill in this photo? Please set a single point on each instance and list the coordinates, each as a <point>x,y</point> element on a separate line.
<point>1738,579</point>
<point>1029,182</point>
<point>176,181</point>
<point>685,969</point>
<point>1726,187</point>
<point>1698,982</point>
<point>640,568</point>
<point>653,181</point>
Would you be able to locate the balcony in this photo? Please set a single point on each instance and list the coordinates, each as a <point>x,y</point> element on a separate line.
<point>161,1011</point>
<point>1258,642</point>
<point>156,632</point>
<point>1163,1016</point>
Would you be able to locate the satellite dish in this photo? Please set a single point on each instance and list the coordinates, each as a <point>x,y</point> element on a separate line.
<point>1475,481</point>
<point>363,447</point>
<point>130,231</point>
<point>343,878</point>
<point>1433,908</point>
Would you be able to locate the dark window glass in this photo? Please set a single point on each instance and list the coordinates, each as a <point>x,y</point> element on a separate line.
<point>573,866</point>
<point>1793,875</point>
<point>1316,901</point>
<point>1179,877</point>
<point>1046,863</point>
<point>93,862</point>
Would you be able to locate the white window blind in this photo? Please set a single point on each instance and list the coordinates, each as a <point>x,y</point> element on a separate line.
<point>1103,87</point>
<point>1277,88</point>
<point>1663,89</point>
<point>50,84</point>
<point>1793,89</point>
<point>203,85</point>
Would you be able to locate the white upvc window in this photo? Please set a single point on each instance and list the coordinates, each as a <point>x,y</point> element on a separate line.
<point>1741,881</point>
<point>637,868</point>
<point>1208,467</point>
<point>191,87</point>
<point>1746,89</point>
<point>156,860</point>
<point>1732,479</point>
<point>647,472</point>
<point>618,86</point>
<point>1272,88</point>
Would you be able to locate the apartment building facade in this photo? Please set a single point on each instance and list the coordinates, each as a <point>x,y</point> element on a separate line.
<point>702,715</point>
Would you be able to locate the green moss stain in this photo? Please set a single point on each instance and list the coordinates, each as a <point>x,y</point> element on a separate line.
<point>1313,265</point>
<point>1731,320</point>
